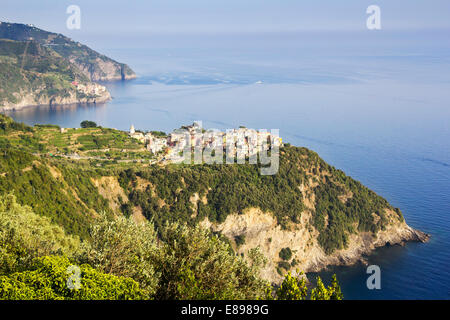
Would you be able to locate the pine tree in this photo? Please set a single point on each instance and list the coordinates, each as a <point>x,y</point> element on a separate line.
<point>334,289</point>
<point>320,292</point>
<point>293,288</point>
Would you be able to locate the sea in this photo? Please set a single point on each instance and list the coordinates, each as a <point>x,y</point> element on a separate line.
<point>375,104</point>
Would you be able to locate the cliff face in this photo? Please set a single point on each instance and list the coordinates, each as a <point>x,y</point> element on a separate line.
<point>103,69</point>
<point>95,66</point>
<point>260,229</point>
<point>83,94</point>
<point>311,210</point>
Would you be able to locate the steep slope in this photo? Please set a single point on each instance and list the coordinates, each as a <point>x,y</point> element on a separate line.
<point>309,208</point>
<point>307,216</point>
<point>31,75</point>
<point>95,66</point>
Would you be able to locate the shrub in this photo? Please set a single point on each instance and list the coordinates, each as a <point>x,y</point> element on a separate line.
<point>285,254</point>
<point>239,240</point>
<point>48,280</point>
<point>88,124</point>
<point>294,288</point>
<point>124,248</point>
<point>195,264</point>
<point>24,236</point>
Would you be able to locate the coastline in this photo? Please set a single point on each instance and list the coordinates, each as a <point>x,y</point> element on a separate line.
<point>29,100</point>
<point>258,227</point>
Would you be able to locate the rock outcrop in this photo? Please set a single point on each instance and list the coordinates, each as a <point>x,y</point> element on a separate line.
<point>260,229</point>
<point>83,94</point>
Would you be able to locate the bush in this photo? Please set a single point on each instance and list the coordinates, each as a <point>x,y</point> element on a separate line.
<point>294,288</point>
<point>240,240</point>
<point>284,265</point>
<point>124,248</point>
<point>195,264</point>
<point>24,236</point>
<point>285,254</point>
<point>48,280</point>
<point>88,124</point>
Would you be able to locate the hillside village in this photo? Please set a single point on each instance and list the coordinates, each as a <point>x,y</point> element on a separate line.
<point>241,142</point>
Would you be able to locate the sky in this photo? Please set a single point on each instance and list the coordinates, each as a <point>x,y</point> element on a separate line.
<point>111,17</point>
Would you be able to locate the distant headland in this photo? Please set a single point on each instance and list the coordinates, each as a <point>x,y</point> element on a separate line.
<point>38,67</point>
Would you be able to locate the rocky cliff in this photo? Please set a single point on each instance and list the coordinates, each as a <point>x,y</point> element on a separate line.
<point>82,94</point>
<point>260,229</point>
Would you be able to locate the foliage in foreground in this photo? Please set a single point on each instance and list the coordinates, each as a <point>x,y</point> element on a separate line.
<point>123,248</point>
<point>48,280</point>
<point>194,264</point>
<point>126,260</point>
<point>295,288</point>
<point>25,236</point>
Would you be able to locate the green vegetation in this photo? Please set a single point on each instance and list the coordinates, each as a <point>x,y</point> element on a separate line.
<point>88,124</point>
<point>48,277</point>
<point>283,265</point>
<point>123,248</point>
<point>25,236</point>
<point>342,205</point>
<point>27,67</point>
<point>122,260</point>
<point>295,288</point>
<point>56,205</point>
<point>285,254</point>
<point>159,134</point>
<point>232,189</point>
<point>239,240</point>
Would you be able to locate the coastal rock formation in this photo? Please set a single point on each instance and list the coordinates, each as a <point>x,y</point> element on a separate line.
<point>83,94</point>
<point>260,229</point>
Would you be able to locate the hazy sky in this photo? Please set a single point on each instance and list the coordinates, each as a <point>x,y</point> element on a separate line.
<point>224,16</point>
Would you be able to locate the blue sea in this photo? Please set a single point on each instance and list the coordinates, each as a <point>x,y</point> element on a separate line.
<point>374,104</point>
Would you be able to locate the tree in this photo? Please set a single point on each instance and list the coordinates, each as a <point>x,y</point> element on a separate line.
<point>292,288</point>
<point>88,124</point>
<point>320,292</point>
<point>334,289</point>
<point>48,279</point>
<point>25,236</point>
<point>195,264</point>
<point>123,247</point>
